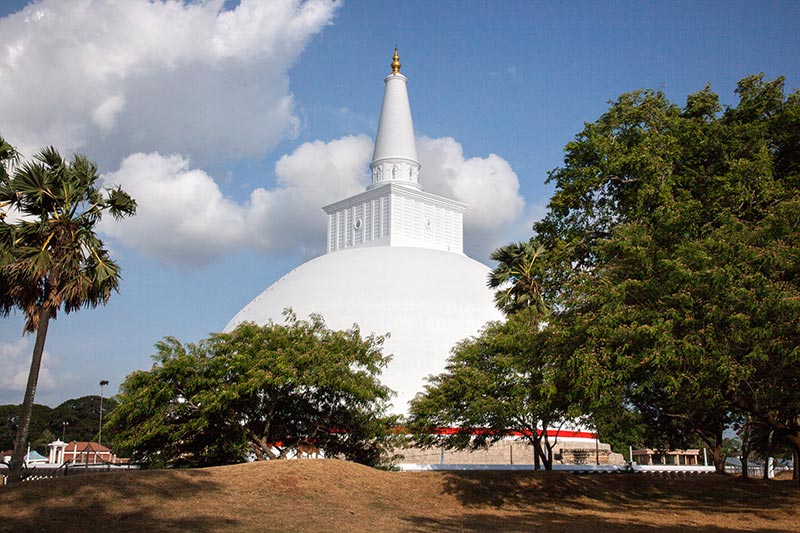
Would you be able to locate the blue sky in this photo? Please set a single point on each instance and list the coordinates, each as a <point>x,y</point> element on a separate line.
<point>233,123</point>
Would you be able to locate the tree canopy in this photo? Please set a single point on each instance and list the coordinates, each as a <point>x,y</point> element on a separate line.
<point>50,255</point>
<point>501,383</point>
<point>673,242</point>
<point>498,384</point>
<point>258,392</point>
<point>75,419</point>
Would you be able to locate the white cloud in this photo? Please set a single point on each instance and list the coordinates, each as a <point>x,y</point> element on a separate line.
<point>15,358</point>
<point>139,76</point>
<point>130,81</point>
<point>184,218</point>
<point>105,114</point>
<point>314,175</point>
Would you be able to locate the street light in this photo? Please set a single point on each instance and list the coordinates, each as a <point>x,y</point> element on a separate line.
<point>103,383</point>
<point>63,429</point>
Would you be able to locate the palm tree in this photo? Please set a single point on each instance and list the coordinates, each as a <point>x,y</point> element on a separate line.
<point>516,279</point>
<point>51,257</point>
<point>8,156</point>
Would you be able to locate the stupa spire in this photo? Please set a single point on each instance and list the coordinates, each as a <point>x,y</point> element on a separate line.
<point>395,157</point>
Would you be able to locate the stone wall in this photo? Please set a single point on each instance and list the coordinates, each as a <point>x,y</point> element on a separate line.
<point>510,451</point>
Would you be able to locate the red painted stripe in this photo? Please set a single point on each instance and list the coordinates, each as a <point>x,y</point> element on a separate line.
<point>560,433</point>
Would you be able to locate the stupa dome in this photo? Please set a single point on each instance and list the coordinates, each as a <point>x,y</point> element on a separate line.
<point>394,264</point>
<point>426,299</point>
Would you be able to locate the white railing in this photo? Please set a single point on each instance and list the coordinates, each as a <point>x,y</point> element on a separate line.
<point>586,469</point>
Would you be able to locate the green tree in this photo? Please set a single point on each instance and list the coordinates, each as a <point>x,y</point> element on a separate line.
<point>517,278</point>
<point>9,424</point>
<point>621,428</point>
<point>82,418</point>
<point>502,382</point>
<point>498,384</point>
<point>50,257</point>
<point>41,441</point>
<point>76,419</point>
<point>8,158</point>
<point>674,236</point>
<point>260,391</point>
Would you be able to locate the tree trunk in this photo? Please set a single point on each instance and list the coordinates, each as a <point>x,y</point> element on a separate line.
<point>260,446</point>
<point>547,452</point>
<point>794,442</point>
<point>747,437</point>
<point>745,457</point>
<point>791,431</point>
<point>540,457</point>
<point>547,459</point>
<point>18,457</point>
<point>718,455</point>
<point>768,454</point>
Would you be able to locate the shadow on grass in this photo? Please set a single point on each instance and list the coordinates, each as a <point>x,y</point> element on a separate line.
<point>140,501</point>
<point>604,492</point>
<point>550,521</point>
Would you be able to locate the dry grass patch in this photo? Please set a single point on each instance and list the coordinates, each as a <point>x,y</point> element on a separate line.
<point>329,495</point>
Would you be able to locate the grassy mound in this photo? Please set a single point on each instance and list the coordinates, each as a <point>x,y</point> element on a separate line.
<point>329,495</point>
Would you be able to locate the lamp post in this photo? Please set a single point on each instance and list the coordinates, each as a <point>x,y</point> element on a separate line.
<point>63,430</point>
<point>103,383</point>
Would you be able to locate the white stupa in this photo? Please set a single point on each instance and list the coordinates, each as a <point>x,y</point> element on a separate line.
<point>395,263</point>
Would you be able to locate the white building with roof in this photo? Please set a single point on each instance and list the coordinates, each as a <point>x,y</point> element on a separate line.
<point>394,263</point>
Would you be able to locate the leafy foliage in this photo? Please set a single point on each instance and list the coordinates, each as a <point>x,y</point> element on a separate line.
<point>260,392</point>
<point>8,157</point>
<point>9,422</point>
<point>517,278</point>
<point>76,419</point>
<point>51,255</point>
<point>502,382</point>
<point>673,235</point>
<point>498,384</point>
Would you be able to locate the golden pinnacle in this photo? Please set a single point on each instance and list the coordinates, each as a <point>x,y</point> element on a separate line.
<point>395,62</point>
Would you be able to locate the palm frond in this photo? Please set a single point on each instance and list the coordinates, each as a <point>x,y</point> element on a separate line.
<point>51,257</point>
<point>516,278</point>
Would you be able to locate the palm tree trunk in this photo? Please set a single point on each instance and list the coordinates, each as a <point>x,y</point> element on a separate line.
<point>18,457</point>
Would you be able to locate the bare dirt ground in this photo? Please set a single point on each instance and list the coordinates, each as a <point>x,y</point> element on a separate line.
<point>330,495</point>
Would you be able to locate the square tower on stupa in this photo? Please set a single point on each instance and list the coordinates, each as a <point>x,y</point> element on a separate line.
<point>395,210</point>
